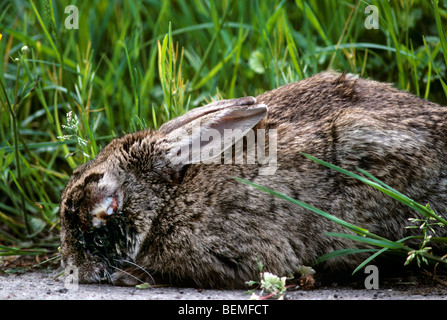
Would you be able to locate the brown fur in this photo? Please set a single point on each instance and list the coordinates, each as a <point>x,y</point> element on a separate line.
<point>195,225</point>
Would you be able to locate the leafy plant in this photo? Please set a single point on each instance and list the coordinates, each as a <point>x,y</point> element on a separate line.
<point>425,224</point>
<point>274,287</point>
<point>271,285</point>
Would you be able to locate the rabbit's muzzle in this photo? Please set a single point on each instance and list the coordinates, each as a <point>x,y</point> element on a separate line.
<point>101,248</point>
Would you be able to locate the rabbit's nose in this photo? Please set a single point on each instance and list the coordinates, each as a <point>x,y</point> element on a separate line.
<point>102,212</point>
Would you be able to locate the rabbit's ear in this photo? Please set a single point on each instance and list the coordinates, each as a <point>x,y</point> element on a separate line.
<point>202,111</point>
<point>205,135</point>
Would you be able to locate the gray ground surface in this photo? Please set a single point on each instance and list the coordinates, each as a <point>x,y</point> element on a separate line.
<point>44,285</point>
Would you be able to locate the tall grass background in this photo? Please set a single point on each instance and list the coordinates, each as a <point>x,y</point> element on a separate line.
<point>135,64</point>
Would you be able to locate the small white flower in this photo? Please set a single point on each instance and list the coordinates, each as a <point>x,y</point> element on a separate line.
<point>25,50</point>
<point>272,283</point>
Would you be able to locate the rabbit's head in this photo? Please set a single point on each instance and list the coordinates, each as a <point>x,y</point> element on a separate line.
<point>111,203</point>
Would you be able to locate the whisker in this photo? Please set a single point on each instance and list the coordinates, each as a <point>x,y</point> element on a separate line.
<point>129,274</point>
<point>108,276</point>
<point>141,268</point>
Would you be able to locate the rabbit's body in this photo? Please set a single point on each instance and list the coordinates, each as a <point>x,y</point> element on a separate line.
<point>193,224</point>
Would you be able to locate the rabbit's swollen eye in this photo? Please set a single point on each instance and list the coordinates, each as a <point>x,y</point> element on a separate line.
<point>103,210</point>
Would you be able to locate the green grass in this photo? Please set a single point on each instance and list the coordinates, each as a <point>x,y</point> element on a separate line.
<point>136,64</point>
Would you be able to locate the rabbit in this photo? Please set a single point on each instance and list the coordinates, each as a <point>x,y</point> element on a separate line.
<point>146,209</point>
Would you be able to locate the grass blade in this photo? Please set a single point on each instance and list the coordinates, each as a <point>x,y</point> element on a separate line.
<point>440,27</point>
<point>368,260</point>
<point>384,188</point>
<point>384,243</point>
<point>343,223</point>
<point>45,31</point>
<point>341,253</point>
